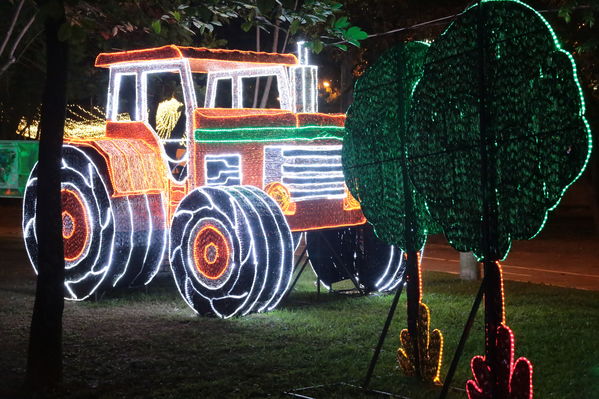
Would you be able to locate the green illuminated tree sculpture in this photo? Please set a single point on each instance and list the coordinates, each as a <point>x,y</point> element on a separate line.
<point>497,134</point>
<point>374,160</point>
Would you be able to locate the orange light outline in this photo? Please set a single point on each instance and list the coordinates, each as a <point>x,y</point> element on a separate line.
<point>103,59</point>
<point>196,256</point>
<point>333,226</point>
<point>290,205</point>
<point>117,190</point>
<point>269,114</point>
<point>68,214</point>
<point>350,203</point>
<point>215,253</point>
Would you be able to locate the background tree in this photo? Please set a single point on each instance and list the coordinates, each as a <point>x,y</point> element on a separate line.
<point>93,27</point>
<point>577,27</point>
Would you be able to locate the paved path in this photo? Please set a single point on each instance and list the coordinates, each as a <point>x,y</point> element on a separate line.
<point>566,255</point>
<point>566,273</point>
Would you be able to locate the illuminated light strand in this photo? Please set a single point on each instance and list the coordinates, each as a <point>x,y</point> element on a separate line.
<point>130,248</point>
<point>282,197</point>
<point>141,72</point>
<point>263,260</point>
<point>79,123</point>
<point>286,252</point>
<point>281,164</point>
<point>515,379</point>
<point>349,202</point>
<point>86,274</point>
<point>146,177</point>
<point>164,240</point>
<point>200,246</point>
<point>236,77</point>
<point>430,349</point>
<point>71,225</point>
<point>171,52</point>
<point>167,115</point>
<point>257,134</point>
<point>541,97</point>
<point>210,118</point>
<point>230,174</point>
<point>547,93</point>
<point>376,174</point>
<point>265,294</point>
<point>421,346</point>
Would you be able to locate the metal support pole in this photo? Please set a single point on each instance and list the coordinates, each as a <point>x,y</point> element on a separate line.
<point>298,275</point>
<point>379,345</point>
<point>458,352</point>
<point>341,263</point>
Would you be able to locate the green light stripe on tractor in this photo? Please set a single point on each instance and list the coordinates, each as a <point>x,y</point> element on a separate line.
<point>258,134</point>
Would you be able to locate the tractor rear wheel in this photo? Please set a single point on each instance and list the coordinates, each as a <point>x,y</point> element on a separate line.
<point>87,223</point>
<point>355,253</point>
<point>107,241</point>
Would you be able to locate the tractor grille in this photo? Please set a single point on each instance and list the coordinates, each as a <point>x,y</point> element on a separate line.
<point>309,172</point>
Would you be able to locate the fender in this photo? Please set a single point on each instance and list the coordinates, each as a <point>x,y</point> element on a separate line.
<point>133,158</point>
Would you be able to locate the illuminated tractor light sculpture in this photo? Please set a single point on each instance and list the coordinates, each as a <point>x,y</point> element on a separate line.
<point>225,198</point>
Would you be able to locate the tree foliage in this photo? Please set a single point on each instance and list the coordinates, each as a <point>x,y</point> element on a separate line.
<point>497,131</point>
<point>93,27</point>
<point>374,148</point>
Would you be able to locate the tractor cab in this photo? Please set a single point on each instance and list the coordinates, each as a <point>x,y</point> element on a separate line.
<point>160,87</point>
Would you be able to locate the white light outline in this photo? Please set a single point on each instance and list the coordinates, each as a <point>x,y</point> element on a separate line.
<point>255,259</point>
<point>294,187</point>
<point>236,77</point>
<point>219,157</point>
<point>165,234</point>
<point>71,264</point>
<point>190,261</point>
<point>131,247</point>
<point>271,204</point>
<point>389,283</point>
<point>243,260</point>
<point>141,70</point>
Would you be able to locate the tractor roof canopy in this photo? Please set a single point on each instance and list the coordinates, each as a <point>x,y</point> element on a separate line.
<point>202,60</point>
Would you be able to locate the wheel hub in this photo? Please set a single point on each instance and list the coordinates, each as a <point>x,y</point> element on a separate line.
<point>211,252</point>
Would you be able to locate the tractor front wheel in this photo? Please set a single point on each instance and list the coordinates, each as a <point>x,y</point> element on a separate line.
<point>231,251</point>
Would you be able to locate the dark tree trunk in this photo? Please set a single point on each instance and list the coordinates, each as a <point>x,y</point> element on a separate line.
<point>275,47</point>
<point>346,79</point>
<point>44,362</point>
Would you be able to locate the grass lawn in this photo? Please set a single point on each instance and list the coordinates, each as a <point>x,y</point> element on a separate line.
<point>150,345</point>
